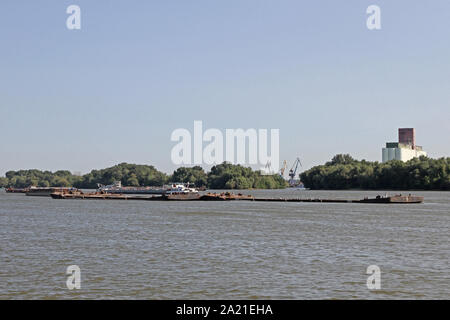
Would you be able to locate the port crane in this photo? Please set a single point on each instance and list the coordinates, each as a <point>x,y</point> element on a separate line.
<point>283,169</point>
<point>293,171</point>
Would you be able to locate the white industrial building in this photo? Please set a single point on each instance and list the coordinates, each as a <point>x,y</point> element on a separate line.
<point>405,149</point>
<point>402,153</point>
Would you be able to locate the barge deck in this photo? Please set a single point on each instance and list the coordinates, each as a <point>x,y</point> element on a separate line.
<point>397,199</point>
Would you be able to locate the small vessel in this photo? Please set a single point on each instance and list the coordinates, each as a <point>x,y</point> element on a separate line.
<point>299,187</point>
<point>179,188</point>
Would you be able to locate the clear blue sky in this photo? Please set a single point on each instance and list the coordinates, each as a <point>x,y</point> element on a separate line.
<point>115,90</point>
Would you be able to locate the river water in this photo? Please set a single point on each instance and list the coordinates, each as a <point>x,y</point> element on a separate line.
<point>225,250</point>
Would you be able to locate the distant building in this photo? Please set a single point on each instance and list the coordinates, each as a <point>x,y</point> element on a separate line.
<point>407,136</point>
<point>405,149</point>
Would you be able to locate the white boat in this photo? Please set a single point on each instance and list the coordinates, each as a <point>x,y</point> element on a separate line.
<point>173,188</point>
<point>177,188</point>
<point>299,187</point>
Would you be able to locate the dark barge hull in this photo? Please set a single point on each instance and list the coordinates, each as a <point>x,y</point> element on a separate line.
<point>16,190</point>
<point>108,196</point>
<point>394,199</point>
<point>48,191</point>
<point>136,191</point>
<point>232,197</point>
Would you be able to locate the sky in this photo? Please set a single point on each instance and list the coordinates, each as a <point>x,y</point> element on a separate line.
<point>116,89</point>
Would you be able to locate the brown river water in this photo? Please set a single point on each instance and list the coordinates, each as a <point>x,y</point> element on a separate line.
<point>225,250</point>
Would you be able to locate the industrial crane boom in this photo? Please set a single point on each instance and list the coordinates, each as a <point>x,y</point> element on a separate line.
<point>293,171</point>
<point>283,169</point>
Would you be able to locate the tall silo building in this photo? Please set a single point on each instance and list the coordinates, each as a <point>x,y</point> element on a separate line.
<point>405,149</point>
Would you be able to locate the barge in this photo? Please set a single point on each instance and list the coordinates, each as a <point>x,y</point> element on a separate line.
<point>107,196</point>
<point>227,196</point>
<point>46,192</point>
<point>393,199</point>
<point>17,190</point>
<point>117,188</point>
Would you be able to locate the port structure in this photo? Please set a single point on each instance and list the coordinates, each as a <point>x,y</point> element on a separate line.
<point>283,169</point>
<point>293,172</point>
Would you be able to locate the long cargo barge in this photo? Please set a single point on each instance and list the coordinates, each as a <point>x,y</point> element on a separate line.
<point>226,196</point>
<point>110,196</point>
<point>17,190</point>
<point>47,191</point>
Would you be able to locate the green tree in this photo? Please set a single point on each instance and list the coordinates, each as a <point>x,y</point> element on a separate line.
<point>229,176</point>
<point>133,181</point>
<point>195,175</point>
<point>344,172</point>
<point>4,182</point>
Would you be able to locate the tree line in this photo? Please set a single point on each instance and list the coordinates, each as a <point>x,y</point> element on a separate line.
<point>222,176</point>
<point>344,172</point>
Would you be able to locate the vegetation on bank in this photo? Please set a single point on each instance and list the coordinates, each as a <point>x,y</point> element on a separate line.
<point>229,176</point>
<point>132,175</point>
<point>222,176</point>
<point>344,172</point>
<point>26,178</point>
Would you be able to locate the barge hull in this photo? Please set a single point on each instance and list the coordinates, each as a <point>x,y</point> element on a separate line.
<point>233,197</point>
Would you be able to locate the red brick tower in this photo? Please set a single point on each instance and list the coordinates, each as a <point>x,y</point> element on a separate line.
<point>407,136</point>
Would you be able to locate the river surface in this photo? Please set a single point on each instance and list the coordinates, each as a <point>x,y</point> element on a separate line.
<point>225,250</point>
